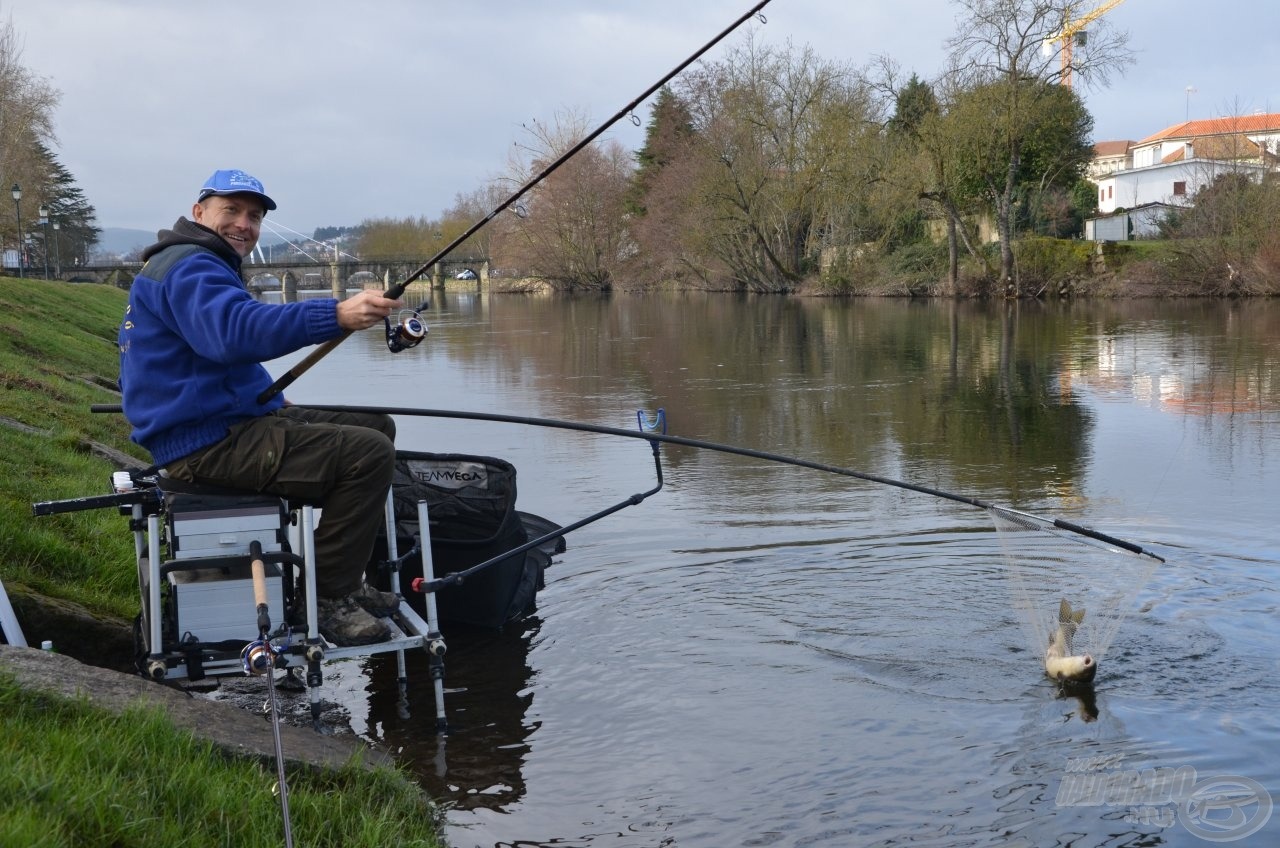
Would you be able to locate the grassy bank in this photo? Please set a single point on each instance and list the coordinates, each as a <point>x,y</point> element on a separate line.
<point>155,786</point>
<point>58,356</point>
<point>151,785</point>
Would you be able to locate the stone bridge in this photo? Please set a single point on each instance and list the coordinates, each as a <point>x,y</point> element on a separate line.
<point>309,275</point>
<point>349,273</point>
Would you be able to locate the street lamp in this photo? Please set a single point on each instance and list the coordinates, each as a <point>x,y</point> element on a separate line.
<point>44,222</point>
<point>57,251</point>
<point>17,205</point>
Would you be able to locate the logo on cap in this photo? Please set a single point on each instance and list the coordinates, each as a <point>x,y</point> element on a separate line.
<point>235,182</point>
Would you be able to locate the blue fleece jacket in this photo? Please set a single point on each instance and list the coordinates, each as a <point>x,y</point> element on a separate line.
<point>193,340</point>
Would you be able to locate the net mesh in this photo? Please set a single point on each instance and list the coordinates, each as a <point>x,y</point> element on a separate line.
<point>1045,565</point>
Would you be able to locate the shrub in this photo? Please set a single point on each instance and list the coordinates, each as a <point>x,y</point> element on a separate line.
<point>1042,262</point>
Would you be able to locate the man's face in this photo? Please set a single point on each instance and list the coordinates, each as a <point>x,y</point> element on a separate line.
<point>235,217</point>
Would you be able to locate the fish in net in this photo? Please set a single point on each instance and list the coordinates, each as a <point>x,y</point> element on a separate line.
<point>1070,586</point>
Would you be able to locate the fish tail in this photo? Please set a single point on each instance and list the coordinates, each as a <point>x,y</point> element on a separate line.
<point>1067,615</point>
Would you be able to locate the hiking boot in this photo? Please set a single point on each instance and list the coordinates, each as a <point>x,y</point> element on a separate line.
<point>375,601</point>
<point>345,623</point>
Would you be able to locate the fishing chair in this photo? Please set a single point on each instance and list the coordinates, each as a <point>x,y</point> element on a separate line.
<point>196,548</point>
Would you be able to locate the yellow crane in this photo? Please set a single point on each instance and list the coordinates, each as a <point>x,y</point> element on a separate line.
<point>1073,32</point>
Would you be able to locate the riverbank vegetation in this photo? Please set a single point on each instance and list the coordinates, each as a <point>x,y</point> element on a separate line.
<point>152,785</point>
<point>777,170</point>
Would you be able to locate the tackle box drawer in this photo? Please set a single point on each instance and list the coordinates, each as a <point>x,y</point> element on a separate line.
<point>217,604</point>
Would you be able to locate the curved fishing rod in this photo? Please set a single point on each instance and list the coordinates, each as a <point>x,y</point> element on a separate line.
<point>553,423</point>
<point>417,331</point>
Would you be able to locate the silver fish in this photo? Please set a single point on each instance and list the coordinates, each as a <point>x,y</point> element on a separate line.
<point>1060,660</point>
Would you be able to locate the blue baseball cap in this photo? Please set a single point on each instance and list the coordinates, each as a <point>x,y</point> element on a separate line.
<point>235,182</point>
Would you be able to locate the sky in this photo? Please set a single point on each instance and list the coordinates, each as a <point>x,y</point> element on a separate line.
<point>393,108</point>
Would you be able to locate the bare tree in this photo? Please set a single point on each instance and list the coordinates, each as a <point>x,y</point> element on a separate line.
<point>572,226</point>
<point>999,48</point>
<point>466,210</point>
<point>406,238</point>
<point>26,127</point>
<point>1228,229</point>
<point>765,180</point>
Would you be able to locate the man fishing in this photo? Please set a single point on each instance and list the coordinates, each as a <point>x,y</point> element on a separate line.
<point>191,347</point>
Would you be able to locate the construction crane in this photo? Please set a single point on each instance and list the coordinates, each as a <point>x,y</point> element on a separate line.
<point>1072,33</point>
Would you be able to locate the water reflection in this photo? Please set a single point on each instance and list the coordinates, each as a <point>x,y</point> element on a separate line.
<point>1085,697</point>
<point>487,677</point>
<point>766,655</point>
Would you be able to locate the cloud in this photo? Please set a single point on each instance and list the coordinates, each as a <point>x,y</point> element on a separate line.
<point>351,111</point>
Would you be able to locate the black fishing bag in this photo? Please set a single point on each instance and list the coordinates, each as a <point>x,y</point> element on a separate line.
<point>471,507</point>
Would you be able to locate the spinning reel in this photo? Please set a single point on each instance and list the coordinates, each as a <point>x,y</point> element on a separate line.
<point>408,332</point>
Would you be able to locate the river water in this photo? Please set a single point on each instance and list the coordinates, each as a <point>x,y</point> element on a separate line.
<point>768,655</point>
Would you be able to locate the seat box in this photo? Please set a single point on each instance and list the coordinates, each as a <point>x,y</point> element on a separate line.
<point>217,604</point>
<point>211,527</point>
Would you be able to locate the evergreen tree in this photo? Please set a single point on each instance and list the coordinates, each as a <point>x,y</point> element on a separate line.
<point>914,103</point>
<point>670,127</point>
<point>77,232</point>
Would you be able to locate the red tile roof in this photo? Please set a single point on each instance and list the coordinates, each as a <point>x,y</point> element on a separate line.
<point>1218,126</point>
<point>1111,148</point>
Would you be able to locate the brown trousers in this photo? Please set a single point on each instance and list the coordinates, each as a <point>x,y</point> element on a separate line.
<point>340,461</point>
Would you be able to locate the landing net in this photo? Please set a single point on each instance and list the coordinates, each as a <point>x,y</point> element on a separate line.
<point>1045,565</point>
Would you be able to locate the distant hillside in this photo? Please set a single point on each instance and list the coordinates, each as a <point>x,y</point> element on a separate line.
<point>119,241</point>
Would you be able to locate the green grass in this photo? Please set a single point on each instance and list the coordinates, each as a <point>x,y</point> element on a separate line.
<point>57,355</point>
<point>71,774</point>
<point>64,784</point>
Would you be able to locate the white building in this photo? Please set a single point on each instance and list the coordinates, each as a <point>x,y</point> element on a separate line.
<point>1109,157</point>
<point>1170,167</point>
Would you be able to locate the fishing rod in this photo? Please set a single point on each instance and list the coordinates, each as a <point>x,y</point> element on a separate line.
<point>1061,524</point>
<point>412,331</point>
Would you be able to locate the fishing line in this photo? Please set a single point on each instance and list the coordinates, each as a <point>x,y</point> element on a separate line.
<point>1155,492</point>
<point>408,329</point>
<point>1060,524</point>
<point>328,248</point>
<point>286,379</point>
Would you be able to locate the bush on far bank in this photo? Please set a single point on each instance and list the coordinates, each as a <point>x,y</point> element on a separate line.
<point>1060,267</point>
